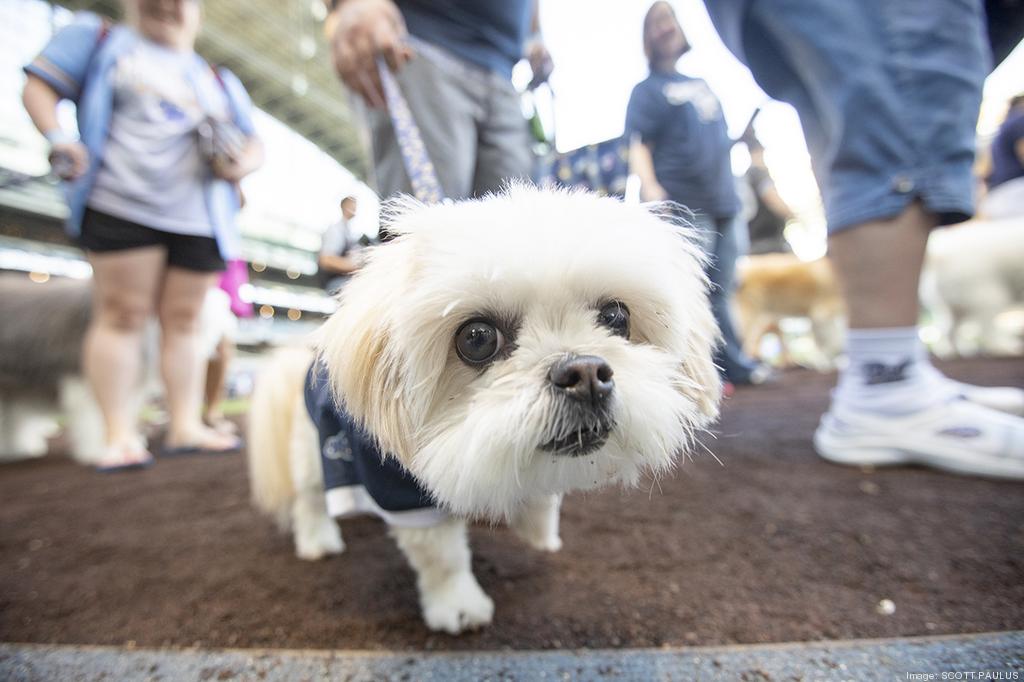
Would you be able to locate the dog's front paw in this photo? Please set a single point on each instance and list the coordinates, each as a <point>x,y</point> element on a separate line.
<point>457,605</point>
<point>536,524</point>
<point>540,539</point>
<point>323,539</point>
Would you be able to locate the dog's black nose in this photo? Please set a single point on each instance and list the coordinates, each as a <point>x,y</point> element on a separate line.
<point>586,378</point>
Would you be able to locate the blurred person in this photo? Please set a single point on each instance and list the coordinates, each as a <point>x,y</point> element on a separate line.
<point>152,191</point>
<point>680,150</point>
<point>888,97</point>
<point>338,250</point>
<point>1005,181</point>
<point>453,61</point>
<point>767,225</point>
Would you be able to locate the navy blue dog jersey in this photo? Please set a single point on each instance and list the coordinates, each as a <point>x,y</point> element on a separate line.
<point>358,479</point>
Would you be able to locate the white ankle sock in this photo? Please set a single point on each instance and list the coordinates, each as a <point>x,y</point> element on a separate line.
<point>889,373</point>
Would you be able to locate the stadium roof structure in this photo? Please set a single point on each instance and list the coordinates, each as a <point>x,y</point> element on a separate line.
<point>278,49</point>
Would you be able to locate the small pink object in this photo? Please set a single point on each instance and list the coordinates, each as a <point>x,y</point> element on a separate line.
<point>231,280</point>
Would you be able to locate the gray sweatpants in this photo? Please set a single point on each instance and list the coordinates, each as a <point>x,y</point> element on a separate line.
<point>470,121</point>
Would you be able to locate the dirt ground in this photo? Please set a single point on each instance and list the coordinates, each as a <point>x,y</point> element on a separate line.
<point>771,545</point>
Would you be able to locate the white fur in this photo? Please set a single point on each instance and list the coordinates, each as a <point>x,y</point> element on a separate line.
<point>84,421</point>
<point>973,273</point>
<point>545,261</point>
<point>284,459</point>
<point>27,423</point>
<point>24,427</point>
<point>450,597</point>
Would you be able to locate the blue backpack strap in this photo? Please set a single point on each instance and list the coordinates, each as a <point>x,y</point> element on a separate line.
<point>238,100</point>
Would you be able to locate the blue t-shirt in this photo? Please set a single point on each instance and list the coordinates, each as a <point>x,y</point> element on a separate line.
<point>486,33</point>
<point>1005,163</point>
<point>681,121</point>
<point>358,479</point>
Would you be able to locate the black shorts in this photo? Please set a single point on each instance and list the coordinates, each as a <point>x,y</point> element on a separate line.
<point>103,233</point>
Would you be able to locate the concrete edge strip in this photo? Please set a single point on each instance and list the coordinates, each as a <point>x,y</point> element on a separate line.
<point>830,644</point>
<point>980,656</point>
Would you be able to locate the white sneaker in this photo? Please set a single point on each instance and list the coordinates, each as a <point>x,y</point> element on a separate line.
<point>958,436</point>
<point>1003,398</point>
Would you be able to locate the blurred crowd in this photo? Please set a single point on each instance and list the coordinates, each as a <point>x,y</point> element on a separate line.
<point>888,95</point>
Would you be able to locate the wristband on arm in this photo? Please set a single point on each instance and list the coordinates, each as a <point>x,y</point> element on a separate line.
<point>58,136</point>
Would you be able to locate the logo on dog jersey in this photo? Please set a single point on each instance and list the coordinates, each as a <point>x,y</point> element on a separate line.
<point>338,447</point>
<point>881,373</point>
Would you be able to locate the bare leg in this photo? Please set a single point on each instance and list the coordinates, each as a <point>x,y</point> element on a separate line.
<point>181,362</point>
<point>450,596</point>
<point>216,374</point>
<point>125,289</point>
<point>879,266</point>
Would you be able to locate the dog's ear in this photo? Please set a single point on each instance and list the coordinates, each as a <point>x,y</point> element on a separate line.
<point>703,383</point>
<point>356,343</point>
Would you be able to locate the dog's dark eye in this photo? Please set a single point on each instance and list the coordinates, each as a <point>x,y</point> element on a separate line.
<point>615,316</point>
<point>478,341</point>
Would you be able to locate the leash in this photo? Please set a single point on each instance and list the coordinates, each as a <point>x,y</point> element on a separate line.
<point>421,171</point>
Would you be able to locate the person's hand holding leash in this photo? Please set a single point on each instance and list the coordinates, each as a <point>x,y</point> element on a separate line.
<point>540,62</point>
<point>362,31</point>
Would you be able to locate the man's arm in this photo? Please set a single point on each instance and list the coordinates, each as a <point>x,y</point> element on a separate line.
<point>641,164</point>
<point>536,52</point>
<point>774,201</point>
<point>359,32</point>
<point>69,157</point>
<point>338,265</point>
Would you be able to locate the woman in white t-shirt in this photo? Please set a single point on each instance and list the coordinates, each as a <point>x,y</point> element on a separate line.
<point>152,188</point>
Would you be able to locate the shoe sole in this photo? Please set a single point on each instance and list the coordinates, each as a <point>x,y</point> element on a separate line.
<point>871,455</point>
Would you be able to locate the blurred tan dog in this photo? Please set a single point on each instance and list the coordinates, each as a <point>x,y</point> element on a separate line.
<point>775,286</point>
<point>505,351</point>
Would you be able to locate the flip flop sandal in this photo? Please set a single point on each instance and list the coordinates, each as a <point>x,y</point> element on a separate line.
<point>225,427</point>
<point>132,466</point>
<point>184,450</point>
<point>136,465</point>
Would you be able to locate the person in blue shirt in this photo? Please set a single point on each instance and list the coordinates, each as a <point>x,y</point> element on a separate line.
<point>152,192</point>
<point>453,62</point>
<point>680,149</point>
<point>1005,181</point>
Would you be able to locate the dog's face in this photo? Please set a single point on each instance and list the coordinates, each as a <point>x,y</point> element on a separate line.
<point>525,344</point>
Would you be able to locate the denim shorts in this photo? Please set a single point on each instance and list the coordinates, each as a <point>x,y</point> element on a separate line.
<point>888,93</point>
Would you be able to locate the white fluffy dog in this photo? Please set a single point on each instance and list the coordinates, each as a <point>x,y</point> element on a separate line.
<point>505,351</point>
<point>40,368</point>
<point>973,273</point>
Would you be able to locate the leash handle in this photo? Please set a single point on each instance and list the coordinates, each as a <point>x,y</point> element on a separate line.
<point>421,171</point>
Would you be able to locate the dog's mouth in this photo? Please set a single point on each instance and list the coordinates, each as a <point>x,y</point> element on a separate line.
<point>583,440</point>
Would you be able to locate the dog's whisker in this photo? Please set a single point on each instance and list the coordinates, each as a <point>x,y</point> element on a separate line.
<point>710,452</point>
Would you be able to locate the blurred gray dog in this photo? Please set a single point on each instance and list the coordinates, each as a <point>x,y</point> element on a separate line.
<point>40,368</point>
